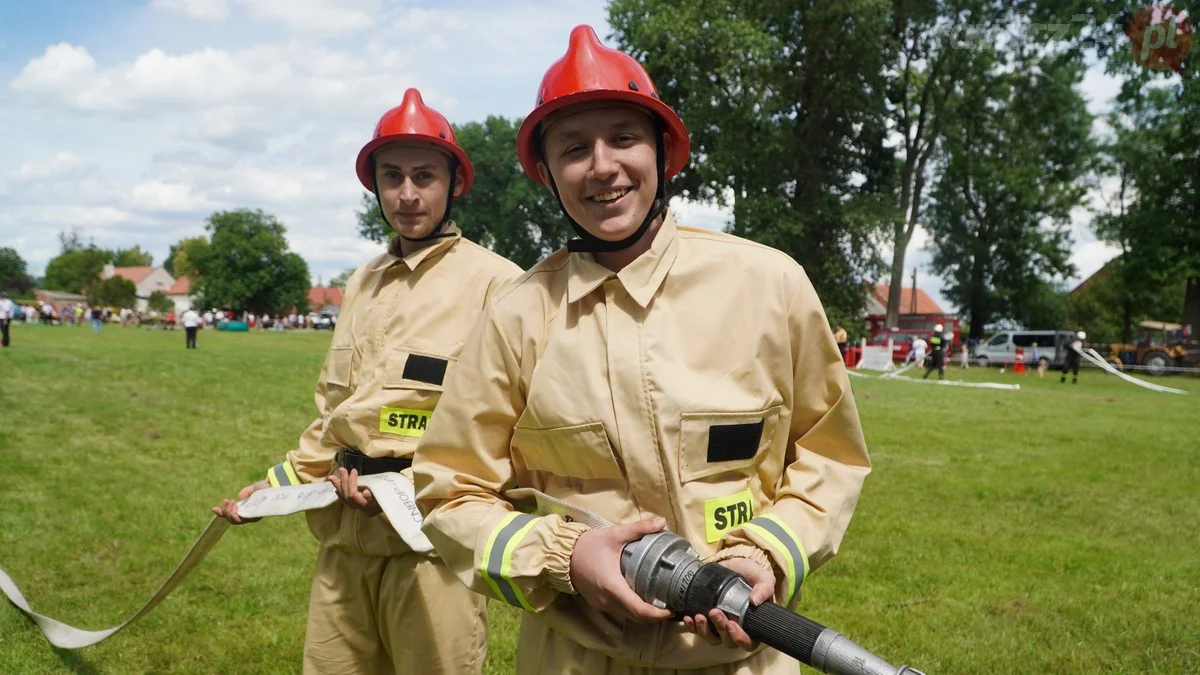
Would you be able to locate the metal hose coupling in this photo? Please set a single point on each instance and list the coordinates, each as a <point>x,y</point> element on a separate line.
<point>665,571</point>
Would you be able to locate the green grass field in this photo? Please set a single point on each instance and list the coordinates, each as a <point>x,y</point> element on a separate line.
<point>1048,530</point>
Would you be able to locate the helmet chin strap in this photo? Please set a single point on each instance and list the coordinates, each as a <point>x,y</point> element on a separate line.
<point>438,230</point>
<point>588,242</point>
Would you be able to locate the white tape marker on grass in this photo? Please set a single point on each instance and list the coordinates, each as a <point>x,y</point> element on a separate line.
<point>392,490</point>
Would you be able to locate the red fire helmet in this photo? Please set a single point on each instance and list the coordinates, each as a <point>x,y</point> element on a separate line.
<point>590,72</point>
<point>413,121</point>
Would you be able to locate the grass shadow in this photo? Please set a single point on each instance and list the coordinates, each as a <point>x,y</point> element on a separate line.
<point>75,662</point>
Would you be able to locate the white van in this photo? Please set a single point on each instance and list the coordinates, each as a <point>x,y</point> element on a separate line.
<point>1001,348</point>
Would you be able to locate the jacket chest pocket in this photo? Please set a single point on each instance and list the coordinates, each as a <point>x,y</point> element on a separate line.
<point>713,443</point>
<point>411,385</point>
<point>579,451</point>
<point>337,375</point>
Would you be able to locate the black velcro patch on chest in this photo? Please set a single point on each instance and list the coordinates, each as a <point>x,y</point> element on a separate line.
<point>729,442</point>
<point>424,369</point>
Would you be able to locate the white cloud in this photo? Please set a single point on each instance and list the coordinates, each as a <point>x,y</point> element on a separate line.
<point>334,16</point>
<point>156,195</point>
<point>292,77</point>
<point>61,165</point>
<point>309,16</point>
<point>204,10</point>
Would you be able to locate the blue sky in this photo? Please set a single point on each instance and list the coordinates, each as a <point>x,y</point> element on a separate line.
<point>133,120</point>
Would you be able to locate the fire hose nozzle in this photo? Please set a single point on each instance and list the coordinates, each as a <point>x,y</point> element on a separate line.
<point>664,570</point>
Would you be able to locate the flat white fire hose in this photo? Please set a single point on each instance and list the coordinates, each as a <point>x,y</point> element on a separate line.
<point>1094,356</point>
<point>905,369</point>
<point>895,375</point>
<point>392,491</point>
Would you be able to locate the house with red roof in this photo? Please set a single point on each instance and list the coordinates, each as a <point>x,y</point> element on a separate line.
<point>180,293</point>
<point>147,280</point>
<point>325,299</point>
<point>912,301</point>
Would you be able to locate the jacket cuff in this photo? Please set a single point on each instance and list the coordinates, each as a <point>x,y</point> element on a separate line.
<point>557,571</point>
<point>748,552</point>
<point>282,475</point>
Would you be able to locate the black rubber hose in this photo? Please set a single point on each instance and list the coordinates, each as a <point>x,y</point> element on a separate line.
<point>768,623</point>
<point>783,629</point>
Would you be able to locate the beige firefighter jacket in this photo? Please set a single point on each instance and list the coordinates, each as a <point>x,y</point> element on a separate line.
<point>700,384</point>
<point>403,321</point>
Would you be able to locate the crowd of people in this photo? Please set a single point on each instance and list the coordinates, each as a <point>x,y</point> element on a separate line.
<point>82,314</point>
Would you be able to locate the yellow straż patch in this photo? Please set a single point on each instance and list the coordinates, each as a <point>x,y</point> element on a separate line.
<point>725,513</point>
<point>404,421</point>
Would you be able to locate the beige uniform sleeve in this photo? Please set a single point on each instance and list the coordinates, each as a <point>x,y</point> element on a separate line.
<point>311,460</point>
<point>826,462</point>
<point>461,467</point>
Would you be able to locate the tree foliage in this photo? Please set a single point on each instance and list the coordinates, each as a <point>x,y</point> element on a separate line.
<point>159,302</point>
<point>115,291</point>
<point>76,270</point>
<point>247,265</point>
<point>1010,173</point>
<point>132,257</point>
<point>928,42</point>
<point>1156,219</point>
<point>178,263</point>
<point>504,211</point>
<point>785,104</point>
<point>13,274</point>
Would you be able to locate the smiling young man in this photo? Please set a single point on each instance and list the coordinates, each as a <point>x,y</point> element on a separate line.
<point>653,374</point>
<point>377,606</point>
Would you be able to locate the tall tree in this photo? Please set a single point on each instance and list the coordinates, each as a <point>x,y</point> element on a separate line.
<point>178,263</point>
<point>1011,172</point>
<point>927,40</point>
<point>785,105</point>
<point>13,274</point>
<point>504,211</point>
<point>132,257</point>
<point>1158,227</point>
<point>247,265</point>
<point>1159,111</point>
<point>76,270</point>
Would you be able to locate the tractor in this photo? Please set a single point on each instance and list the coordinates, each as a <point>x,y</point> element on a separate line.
<point>1160,346</point>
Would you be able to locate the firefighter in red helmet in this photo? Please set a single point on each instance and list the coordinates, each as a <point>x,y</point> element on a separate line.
<point>657,375</point>
<point>376,605</point>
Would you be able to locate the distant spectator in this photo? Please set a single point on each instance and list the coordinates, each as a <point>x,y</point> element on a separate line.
<point>191,323</point>
<point>97,319</point>
<point>7,311</point>
<point>916,352</point>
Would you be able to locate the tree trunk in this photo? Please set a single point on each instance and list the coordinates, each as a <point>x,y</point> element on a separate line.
<point>978,297</point>
<point>1191,306</point>
<point>897,283</point>
<point>1127,320</point>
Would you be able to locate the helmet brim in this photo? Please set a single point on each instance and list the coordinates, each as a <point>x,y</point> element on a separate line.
<point>362,165</point>
<point>530,154</point>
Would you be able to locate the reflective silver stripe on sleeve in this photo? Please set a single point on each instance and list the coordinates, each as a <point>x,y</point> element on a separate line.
<point>496,568</point>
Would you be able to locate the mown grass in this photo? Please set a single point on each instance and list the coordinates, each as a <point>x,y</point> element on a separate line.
<point>1050,530</point>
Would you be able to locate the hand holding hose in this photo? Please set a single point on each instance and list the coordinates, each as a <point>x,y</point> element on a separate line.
<point>716,628</point>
